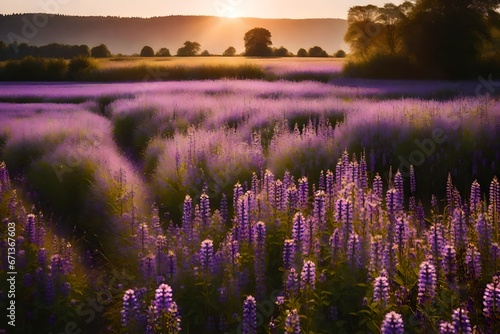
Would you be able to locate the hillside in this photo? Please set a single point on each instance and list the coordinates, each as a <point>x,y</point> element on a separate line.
<point>215,34</point>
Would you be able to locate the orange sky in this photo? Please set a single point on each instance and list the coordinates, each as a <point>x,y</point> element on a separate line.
<point>229,8</point>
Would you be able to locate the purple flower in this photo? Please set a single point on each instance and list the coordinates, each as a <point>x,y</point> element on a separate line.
<point>288,253</point>
<point>376,254</point>
<point>354,251</point>
<point>378,188</point>
<point>163,298</point>
<point>392,324</point>
<point>31,228</point>
<point>206,255</point>
<point>320,209</point>
<point>336,244</point>
<point>459,224</point>
<point>293,197</point>
<point>259,251</point>
<point>292,282</point>
<point>280,300</point>
<point>292,322</point>
<point>484,231</point>
<point>446,328</point>
<point>436,239</point>
<point>426,282</point>
<point>491,303</point>
<point>249,316</point>
<point>344,214</point>
<point>473,262</point>
<point>205,210</point>
<point>393,200</point>
<point>475,197</point>
<point>449,262</point>
<point>461,321</point>
<point>381,290</point>
<point>129,308</point>
<point>303,192</point>
<point>187,217</point>
<point>308,275</point>
<point>299,230</point>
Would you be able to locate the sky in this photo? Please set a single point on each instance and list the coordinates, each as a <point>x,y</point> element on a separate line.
<point>229,8</point>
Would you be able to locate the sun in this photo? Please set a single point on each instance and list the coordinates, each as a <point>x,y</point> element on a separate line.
<point>227,8</point>
<point>231,13</point>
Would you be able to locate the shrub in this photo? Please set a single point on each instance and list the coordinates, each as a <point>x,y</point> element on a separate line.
<point>382,66</point>
<point>339,54</point>
<point>302,53</point>
<point>317,51</point>
<point>163,52</point>
<point>100,51</point>
<point>80,64</point>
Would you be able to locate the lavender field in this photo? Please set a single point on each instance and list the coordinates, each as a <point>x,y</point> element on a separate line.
<point>248,206</point>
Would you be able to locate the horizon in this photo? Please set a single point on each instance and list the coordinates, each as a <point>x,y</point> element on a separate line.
<point>276,9</point>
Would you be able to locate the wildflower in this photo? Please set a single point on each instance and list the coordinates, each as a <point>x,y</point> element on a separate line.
<point>249,316</point>
<point>288,253</point>
<point>381,290</point>
<point>292,322</point>
<point>308,275</point>
<point>461,321</point>
<point>491,303</point>
<point>129,307</point>
<point>446,328</point>
<point>206,255</point>
<point>392,324</point>
<point>426,282</point>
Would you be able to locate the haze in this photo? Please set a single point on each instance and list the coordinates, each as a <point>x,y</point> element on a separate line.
<point>230,8</point>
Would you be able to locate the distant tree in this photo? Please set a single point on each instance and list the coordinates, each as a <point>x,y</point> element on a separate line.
<point>230,51</point>
<point>189,49</point>
<point>281,52</point>
<point>147,51</point>
<point>163,52</point>
<point>84,50</point>
<point>302,53</point>
<point>339,54</point>
<point>258,42</point>
<point>317,51</point>
<point>100,51</point>
<point>205,53</point>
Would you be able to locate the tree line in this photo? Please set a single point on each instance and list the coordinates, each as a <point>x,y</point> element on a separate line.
<point>257,43</point>
<point>429,38</point>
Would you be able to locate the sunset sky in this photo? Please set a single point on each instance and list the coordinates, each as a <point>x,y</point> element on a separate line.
<point>231,8</point>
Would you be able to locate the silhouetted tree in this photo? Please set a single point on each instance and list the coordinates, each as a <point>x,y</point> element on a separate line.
<point>147,51</point>
<point>302,53</point>
<point>189,49</point>
<point>258,42</point>
<point>339,54</point>
<point>448,37</point>
<point>100,51</point>
<point>163,52</point>
<point>281,52</point>
<point>230,51</point>
<point>317,51</point>
<point>205,53</point>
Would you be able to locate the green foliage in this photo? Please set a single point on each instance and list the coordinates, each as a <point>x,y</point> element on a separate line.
<point>258,42</point>
<point>35,69</point>
<point>79,65</point>
<point>281,52</point>
<point>382,66</point>
<point>302,53</point>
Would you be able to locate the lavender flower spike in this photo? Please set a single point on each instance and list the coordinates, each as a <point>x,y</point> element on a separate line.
<point>249,316</point>
<point>292,322</point>
<point>392,324</point>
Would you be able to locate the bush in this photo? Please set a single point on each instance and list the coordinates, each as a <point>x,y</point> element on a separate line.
<point>35,69</point>
<point>382,66</point>
<point>317,51</point>
<point>80,65</point>
<point>230,51</point>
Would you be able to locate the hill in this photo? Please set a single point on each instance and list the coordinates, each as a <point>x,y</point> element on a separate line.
<point>129,35</point>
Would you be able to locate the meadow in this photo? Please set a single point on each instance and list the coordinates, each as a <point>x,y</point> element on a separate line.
<point>252,206</point>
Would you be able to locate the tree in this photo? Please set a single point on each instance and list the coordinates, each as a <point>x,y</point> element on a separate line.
<point>163,52</point>
<point>258,42</point>
<point>230,52</point>
<point>147,51</point>
<point>281,52</point>
<point>189,49</point>
<point>100,51</point>
<point>339,54</point>
<point>317,51</point>
<point>205,53</point>
<point>302,53</point>
<point>448,37</point>
<point>363,31</point>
